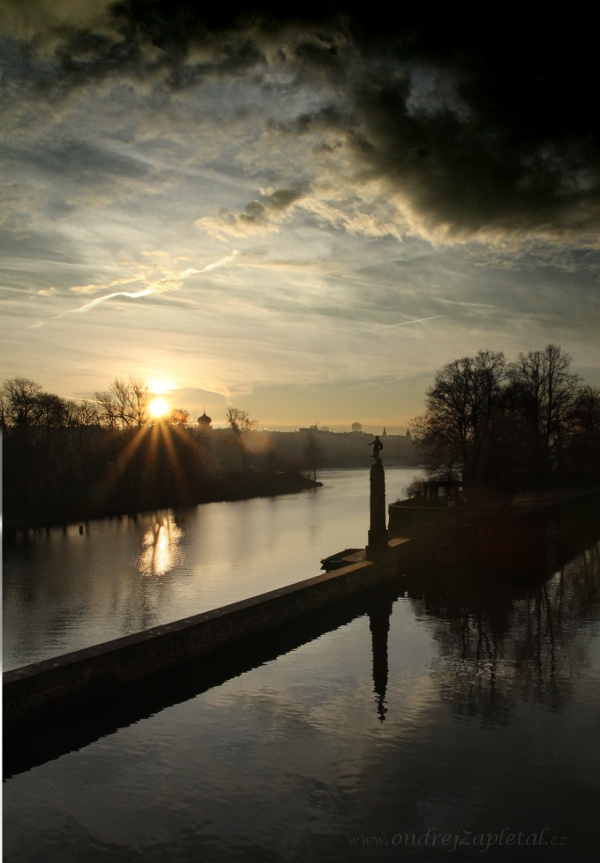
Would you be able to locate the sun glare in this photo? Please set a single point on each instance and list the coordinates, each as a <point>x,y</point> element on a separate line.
<point>159,408</point>
<point>161,386</point>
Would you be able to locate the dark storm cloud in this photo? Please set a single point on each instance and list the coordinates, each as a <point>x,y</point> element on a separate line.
<point>476,130</point>
<point>480,137</point>
<point>257,216</point>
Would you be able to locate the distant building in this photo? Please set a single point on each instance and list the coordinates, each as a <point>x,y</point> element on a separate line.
<point>204,422</point>
<point>384,433</point>
<point>315,428</point>
<point>356,427</point>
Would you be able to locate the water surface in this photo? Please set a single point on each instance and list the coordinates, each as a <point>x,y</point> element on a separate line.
<point>442,714</point>
<point>64,590</point>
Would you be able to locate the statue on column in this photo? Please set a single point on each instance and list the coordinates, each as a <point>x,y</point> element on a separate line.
<point>377,447</point>
<point>377,545</point>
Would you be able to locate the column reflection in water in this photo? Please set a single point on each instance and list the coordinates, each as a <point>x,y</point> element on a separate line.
<point>379,624</point>
<point>492,699</point>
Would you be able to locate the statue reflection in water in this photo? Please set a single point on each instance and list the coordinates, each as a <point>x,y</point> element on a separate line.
<point>379,624</point>
<point>498,643</point>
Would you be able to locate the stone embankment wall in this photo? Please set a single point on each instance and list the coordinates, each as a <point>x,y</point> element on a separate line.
<point>520,536</point>
<point>78,680</point>
<point>430,522</point>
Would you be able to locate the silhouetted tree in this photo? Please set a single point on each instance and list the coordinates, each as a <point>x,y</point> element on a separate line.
<point>20,403</point>
<point>271,455</point>
<point>241,425</point>
<point>51,410</point>
<point>541,396</point>
<point>126,404</point>
<point>312,450</point>
<point>461,408</point>
<point>83,414</point>
<point>584,439</point>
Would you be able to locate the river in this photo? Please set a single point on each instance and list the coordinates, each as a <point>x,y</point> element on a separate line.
<point>437,723</point>
<point>64,589</point>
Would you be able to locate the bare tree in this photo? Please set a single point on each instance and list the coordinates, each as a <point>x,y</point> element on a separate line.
<point>51,410</point>
<point>312,450</point>
<point>107,409</point>
<point>542,394</point>
<point>241,425</point>
<point>83,413</point>
<point>584,434</point>
<point>126,404</point>
<point>140,401</point>
<point>461,407</point>
<point>20,401</point>
<point>271,455</point>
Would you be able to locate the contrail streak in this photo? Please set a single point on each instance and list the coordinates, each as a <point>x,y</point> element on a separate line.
<point>151,290</point>
<point>170,282</point>
<point>220,263</point>
<point>403,323</point>
<point>99,300</point>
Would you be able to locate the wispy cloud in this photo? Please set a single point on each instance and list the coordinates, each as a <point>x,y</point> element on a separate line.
<point>102,299</point>
<point>170,281</point>
<point>94,288</point>
<point>223,262</point>
<point>402,323</point>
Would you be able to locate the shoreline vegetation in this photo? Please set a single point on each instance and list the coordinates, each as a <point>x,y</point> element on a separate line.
<point>498,428</point>
<point>516,426</point>
<point>213,490</point>
<point>126,452</point>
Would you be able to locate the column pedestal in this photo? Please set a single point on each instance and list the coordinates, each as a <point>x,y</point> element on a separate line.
<point>378,536</point>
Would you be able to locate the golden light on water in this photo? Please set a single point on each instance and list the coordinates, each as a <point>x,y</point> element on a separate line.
<point>159,407</point>
<point>161,551</point>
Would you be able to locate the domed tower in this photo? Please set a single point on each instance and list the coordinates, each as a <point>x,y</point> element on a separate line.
<point>204,422</point>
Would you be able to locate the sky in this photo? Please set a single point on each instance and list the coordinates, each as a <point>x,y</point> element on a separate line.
<point>300,212</point>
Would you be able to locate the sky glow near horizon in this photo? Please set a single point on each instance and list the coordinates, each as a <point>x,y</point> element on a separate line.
<point>302,219</point>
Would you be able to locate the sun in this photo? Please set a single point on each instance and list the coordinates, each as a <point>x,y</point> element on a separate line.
<point>158,408</point>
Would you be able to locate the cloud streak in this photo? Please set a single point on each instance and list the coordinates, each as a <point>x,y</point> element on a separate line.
<point>170,282</point>
<point>103,299</point>
<point>405,323</point>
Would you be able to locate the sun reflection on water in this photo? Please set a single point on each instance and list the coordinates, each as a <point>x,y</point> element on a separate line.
<point>161,547</point>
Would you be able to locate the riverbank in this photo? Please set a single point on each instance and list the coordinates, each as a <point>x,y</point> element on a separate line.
<point>518,537</point>
<point>212,490</point>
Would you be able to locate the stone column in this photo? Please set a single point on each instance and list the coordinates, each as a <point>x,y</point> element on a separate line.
<point>378,535</point>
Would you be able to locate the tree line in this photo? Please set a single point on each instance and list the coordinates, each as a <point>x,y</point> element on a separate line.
<point>524,424</point>
<point>65,459</point>
<point>124,405</point>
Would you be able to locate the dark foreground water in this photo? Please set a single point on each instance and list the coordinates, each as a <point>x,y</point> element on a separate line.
<point>447,722</point>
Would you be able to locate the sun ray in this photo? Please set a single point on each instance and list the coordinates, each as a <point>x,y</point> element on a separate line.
<point>174,463</point>
<point>118,467</point>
